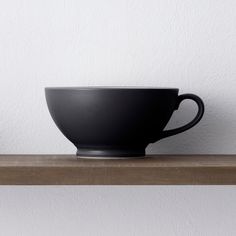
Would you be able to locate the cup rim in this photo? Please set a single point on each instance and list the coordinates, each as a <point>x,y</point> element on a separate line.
<point>111,88</point>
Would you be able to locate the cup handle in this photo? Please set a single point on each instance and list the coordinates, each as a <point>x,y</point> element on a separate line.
<point>198,117</point>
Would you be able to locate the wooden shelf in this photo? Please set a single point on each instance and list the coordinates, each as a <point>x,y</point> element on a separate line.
<point>153,170</point>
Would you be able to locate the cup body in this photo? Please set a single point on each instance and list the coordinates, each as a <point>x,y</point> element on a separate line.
<point>111,121</point>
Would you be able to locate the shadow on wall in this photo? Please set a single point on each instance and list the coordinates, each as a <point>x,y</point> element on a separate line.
<point>210,136</point>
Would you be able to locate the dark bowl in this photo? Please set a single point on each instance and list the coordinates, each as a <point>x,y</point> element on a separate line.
<point>116,121</point>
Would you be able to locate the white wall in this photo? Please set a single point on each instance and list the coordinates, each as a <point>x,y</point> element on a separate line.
<point>185,44</point>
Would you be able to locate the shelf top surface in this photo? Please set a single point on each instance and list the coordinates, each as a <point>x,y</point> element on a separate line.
<point>157,161</point>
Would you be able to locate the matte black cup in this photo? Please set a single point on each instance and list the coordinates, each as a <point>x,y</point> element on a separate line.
<point>116,121</point>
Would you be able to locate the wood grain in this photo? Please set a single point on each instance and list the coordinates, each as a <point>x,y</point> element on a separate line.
<point>152,170</point>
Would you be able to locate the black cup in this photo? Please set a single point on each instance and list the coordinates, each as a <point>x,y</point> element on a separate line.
<point>116,121</point>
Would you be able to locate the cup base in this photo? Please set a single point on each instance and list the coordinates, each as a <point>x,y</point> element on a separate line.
<point>110,153</point>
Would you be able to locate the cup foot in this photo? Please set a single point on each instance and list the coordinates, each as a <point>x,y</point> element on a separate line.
<point>110,153</point>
